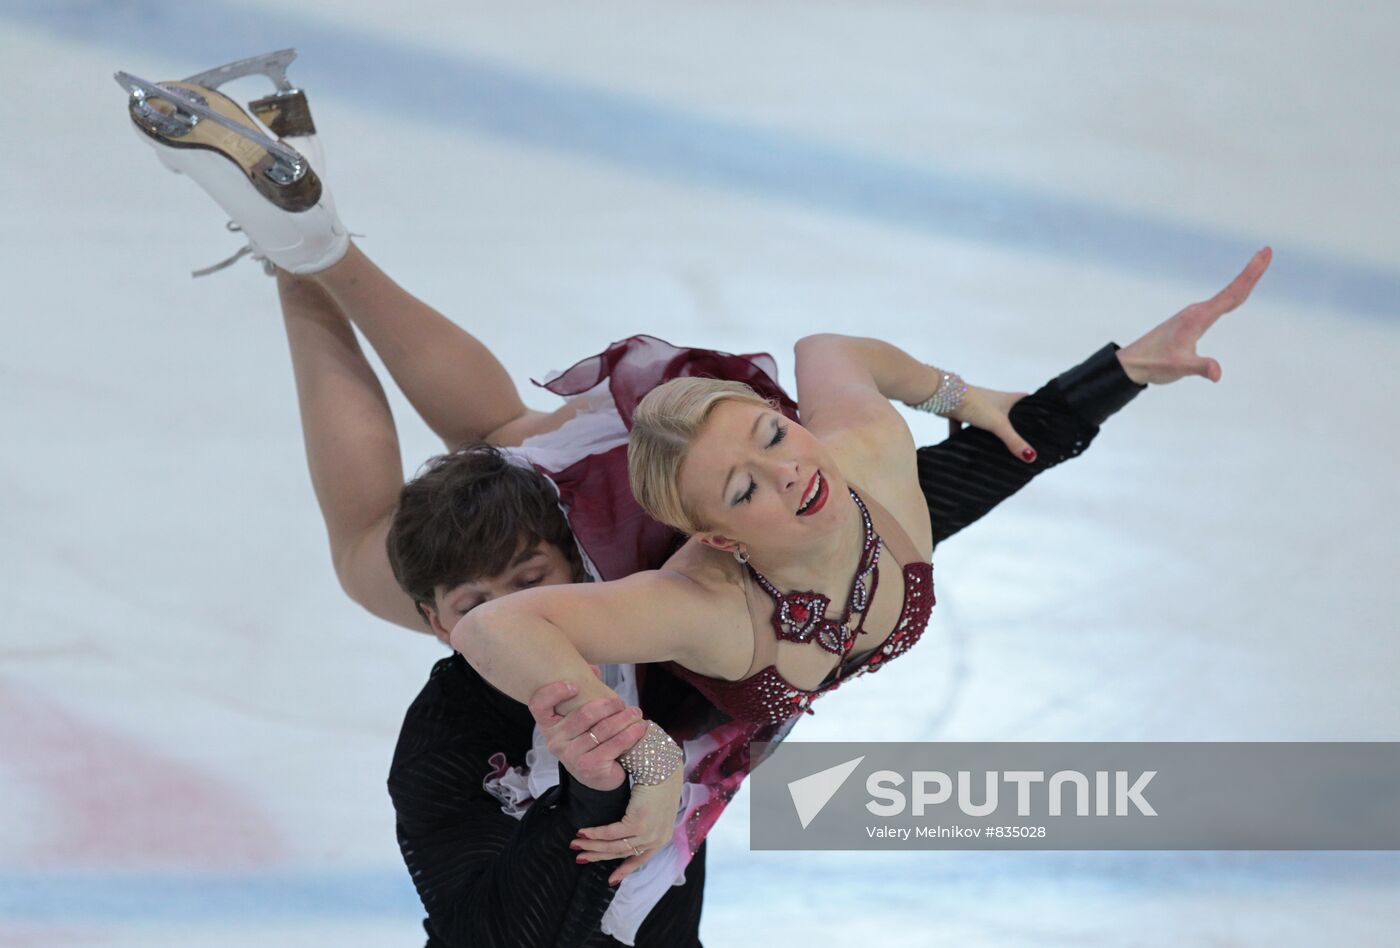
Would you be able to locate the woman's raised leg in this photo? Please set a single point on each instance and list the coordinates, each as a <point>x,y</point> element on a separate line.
<point>449,376</point>
<point>451,379</point>
<point>352,446</point>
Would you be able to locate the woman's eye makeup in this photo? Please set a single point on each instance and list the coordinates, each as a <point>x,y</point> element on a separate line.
<point>779,433</point>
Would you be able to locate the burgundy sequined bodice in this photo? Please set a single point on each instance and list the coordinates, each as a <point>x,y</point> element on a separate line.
<point>766,697</point>
<point>769,698</point>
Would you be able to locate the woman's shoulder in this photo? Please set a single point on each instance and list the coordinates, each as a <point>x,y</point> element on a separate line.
<point>880,462</point>
<point>871,448</point>
<point>716,581</point>
<point>709,571</point>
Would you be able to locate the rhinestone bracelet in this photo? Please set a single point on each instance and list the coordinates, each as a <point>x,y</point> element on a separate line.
<point>946,399</point>
<point>652,759</point>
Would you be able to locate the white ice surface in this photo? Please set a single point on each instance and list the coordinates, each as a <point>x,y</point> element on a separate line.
<point>195,724</point>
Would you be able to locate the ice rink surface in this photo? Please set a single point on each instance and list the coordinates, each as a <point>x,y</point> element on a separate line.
<point>195,724</point>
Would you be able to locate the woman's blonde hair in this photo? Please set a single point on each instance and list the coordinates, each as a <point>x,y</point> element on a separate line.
<point>663,427</point>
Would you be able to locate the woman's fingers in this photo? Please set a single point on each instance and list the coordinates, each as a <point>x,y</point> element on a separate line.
<point>636,850</point>
<point>629,866</point>
<point>605,848</point>
<point>990,410</point>
<point>632,853</point>
<point>611,831</point>
<point>1018,445</point>
<point>1207,368</point>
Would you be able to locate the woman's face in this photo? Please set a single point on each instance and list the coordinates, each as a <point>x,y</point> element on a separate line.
<point>757,478</point>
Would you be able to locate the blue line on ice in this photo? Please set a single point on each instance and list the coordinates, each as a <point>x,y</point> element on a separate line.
<point>289,896</point>
<point>150,897</point>
<point>380,71</point>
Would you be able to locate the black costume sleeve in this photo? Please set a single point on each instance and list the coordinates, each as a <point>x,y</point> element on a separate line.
<point>487,878</point>
<point>969,473</point>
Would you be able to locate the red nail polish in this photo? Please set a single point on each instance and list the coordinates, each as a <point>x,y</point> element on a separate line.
<point>575,845</point>
<point>580,860</point>
<point>1028,454</point>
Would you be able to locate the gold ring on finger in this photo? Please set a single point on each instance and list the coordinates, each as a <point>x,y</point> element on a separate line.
<point>595,738</point>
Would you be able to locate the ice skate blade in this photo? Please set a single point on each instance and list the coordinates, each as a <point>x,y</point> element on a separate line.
<point>286,113</point>
<point>273,65</point>
<point>180,115</point>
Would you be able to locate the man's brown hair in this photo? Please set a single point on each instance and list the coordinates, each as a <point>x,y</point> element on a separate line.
<point>465,515</point>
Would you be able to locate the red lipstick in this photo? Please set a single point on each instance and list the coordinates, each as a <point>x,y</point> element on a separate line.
<point>819,501</point>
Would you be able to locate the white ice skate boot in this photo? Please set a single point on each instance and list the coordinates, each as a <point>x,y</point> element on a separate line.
<point>271,190</point>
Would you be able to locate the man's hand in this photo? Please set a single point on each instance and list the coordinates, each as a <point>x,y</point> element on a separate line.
<point>589,738</point>
<point>1168,352</point>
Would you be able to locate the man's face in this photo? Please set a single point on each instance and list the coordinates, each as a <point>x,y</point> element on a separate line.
<point>543,564</point>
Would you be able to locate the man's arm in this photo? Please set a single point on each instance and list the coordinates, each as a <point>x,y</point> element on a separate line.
<point>486,878</point>
<point>967,475</point>
<point>971,472</point>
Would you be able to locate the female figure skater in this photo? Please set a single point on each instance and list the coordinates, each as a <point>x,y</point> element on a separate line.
<point>773,600</point>
<point>807,559</point>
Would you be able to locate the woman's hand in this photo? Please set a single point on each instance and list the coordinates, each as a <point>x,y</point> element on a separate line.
<point>989,410</point>
<point>648,824</point>
<point>1168,352</point>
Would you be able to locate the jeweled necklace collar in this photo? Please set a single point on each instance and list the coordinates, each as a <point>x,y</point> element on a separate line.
<point>801,616</point>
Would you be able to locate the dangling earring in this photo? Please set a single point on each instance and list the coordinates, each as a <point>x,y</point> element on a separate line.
<point>742,555</point>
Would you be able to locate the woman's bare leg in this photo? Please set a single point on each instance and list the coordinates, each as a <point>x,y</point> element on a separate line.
<point>452,380</point>
<point>352,447</point>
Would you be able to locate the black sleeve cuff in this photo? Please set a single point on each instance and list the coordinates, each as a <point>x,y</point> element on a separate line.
<point>1098,386</point>
<point>588,807</point>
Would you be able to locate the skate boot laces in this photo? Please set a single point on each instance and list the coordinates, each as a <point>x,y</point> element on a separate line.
<point>247,249</point>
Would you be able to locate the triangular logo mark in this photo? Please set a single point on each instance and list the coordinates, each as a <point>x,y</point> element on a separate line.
<point>813,792</point>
